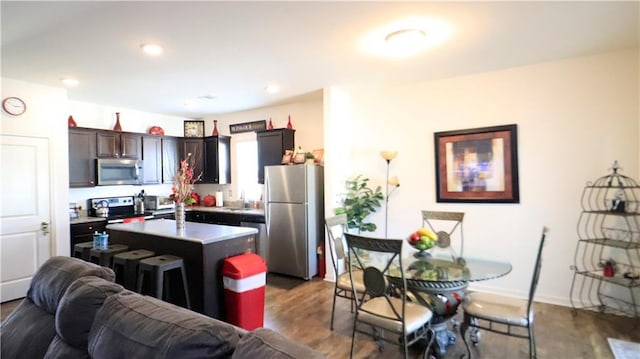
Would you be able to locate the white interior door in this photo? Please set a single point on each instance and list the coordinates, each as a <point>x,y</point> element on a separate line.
<point>25,242</point>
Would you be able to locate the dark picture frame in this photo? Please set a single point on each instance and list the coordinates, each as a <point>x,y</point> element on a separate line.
<point>193,128</point>
<point>478,165</point>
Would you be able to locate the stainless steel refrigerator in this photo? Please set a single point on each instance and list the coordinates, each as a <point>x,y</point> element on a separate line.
<point>294,208</point>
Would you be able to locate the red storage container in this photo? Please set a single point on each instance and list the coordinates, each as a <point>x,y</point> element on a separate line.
<point>244,279</point>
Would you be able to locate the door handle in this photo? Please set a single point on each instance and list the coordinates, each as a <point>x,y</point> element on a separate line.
<point>44,227</point>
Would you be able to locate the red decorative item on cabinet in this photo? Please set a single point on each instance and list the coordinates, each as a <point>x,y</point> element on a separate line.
<point>289,125</point>
<point>156,130</point>
<point>215,127</point>
<point>71,122</point>
<point>270,126</point>
<point>117,127</point>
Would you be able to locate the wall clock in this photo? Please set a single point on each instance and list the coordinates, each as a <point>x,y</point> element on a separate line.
<point>193,128</point>
<point>14,106</point>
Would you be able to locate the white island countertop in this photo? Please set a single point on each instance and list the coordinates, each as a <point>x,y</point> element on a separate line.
<point>193,231</point>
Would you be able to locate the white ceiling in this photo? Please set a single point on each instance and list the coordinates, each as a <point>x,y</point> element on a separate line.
<point>231,50</point>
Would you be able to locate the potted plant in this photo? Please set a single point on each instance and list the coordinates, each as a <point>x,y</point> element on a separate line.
<point>359,202</point>
<point>309,159</point>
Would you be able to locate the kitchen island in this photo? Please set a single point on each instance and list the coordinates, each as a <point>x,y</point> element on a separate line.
<point>203,248</point>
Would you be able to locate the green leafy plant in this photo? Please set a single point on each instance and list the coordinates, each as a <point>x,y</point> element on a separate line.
<point>359,202</point>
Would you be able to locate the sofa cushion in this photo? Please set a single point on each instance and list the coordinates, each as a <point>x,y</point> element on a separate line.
<point>56,274</point>
<point>26,322</point>
<point>265,343</point>
<point>133,326</point>
<point>34,316</point>
<point>75,314</point>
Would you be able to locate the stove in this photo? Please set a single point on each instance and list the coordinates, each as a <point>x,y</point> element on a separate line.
<point>121,209</point>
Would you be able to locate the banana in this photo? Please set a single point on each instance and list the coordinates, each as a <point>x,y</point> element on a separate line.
<point>427,232</point>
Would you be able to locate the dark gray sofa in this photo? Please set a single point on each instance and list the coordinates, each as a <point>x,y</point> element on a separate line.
<point>74,310</point>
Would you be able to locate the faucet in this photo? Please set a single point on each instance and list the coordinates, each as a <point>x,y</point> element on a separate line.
<point>242,198</point>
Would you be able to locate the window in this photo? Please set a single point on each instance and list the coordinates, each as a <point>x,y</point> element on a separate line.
<point>247,165</point>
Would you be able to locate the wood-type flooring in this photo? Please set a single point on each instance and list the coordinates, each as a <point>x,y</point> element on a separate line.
<point>304,312</point>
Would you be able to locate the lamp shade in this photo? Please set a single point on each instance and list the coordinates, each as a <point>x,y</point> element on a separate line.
<point>394,181</point>
<point>388,155</point>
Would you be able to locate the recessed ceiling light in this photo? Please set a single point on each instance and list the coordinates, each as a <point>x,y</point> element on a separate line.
<point>69,82</point>
<point>272,88</point>
<point>151,49</point>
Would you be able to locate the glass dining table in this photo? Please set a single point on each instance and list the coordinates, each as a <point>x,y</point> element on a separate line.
<point>439,282</point>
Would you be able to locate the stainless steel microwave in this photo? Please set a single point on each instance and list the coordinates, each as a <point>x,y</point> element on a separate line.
<point>112,171</point>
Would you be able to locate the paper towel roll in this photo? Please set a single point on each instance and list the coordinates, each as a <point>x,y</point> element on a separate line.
<point>219,199</point>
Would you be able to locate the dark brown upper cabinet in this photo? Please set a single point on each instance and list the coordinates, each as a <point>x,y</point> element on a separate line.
<point>82,157</point>
<point>170,158</point>
<point>152,159</point>
<point>271,147</point>
<point>111,144</point>
<point>217,158</point>
<point>192,149</point>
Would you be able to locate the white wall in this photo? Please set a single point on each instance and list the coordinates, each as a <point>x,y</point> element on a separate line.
<point>46,118</point>
<point>306,118</point>
<point>574,117</point>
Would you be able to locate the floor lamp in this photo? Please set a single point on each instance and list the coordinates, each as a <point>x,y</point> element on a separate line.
<point>393,182</point>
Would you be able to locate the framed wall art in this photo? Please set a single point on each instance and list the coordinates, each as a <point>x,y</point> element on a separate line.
<point>478,165</point>
<point>193,128</point>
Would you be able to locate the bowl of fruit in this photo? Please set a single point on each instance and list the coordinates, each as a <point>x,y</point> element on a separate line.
<point>422,239</point>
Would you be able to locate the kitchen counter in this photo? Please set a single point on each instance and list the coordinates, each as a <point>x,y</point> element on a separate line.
<point>243,211</point>
<point>202,246</point>
<point>197,232</point>
<point>86,219</point>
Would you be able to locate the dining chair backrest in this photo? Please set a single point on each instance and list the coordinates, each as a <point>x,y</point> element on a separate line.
<point>433,219</point>
<point>361,250</point>
<point>336,228</point>
<point>536,274</point>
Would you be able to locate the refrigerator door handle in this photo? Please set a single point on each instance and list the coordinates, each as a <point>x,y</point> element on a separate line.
<point>266,207</point>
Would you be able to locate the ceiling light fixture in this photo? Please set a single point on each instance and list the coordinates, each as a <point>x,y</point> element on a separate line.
<point>405,42</point>
<point>406,37</point>
<point>151,49</point>
<point>272,89</point>
<point>69,82</point>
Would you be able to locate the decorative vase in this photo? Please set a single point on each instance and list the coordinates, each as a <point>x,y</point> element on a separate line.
<point>71,122</point>
<point>270,126</point>
<point>117,127</point>
<point>215,127</point>
<point>289,125</point>
<point>180,216</point>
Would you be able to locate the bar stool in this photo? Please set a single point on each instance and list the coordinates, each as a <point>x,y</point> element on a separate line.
<point>159,266</point>
<point>104,257</point>
<point>83,250</point>
<point>125,266</point>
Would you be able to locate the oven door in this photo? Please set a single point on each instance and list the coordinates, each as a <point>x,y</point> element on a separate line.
<point>118,172</point>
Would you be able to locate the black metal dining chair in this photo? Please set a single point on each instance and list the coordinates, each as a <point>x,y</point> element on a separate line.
<point>503,315</point>
<point>336,227</point>
<point>387,309</point>
<point>445,225</point>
